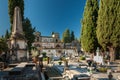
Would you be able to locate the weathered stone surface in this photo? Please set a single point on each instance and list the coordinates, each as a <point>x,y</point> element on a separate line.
<point>17,42</point>
<point>17,29</point>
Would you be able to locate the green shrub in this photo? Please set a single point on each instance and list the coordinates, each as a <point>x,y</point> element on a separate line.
<point>45,59</point>
<point>60,62</point>
<point>82,58</point>
<point>62,59</point>
<point>102,69</point>
<point>44,54</point>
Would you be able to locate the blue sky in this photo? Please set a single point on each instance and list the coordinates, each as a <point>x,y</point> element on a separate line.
<point>48,15</point>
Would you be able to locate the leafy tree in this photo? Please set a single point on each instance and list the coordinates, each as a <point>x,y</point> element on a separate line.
<point>52,33</point>
<point>66,36</point>
<point>11,5</point>
<point>3,48</point>
<point>2,36</point>
<point>108,25</point>
<point>88,34</point>
<point>7,35</point>
<point>72,36</point>
<point>29,32</point>
<point>3,45</point>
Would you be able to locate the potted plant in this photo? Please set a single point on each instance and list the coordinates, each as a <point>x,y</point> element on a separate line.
<point>60,62</point>
<point>34,55</point>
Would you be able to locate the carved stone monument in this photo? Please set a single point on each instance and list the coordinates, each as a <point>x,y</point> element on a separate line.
<point>98,58</point>
<point>17,42</point>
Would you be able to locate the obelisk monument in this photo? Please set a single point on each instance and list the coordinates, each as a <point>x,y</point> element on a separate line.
<point>17,41</point>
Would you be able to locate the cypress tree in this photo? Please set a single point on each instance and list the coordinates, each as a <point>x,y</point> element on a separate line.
<point>11,5</point>
<point>89,23</point>
<point>66,36</point>
<point>29,32</point>
<point>72,36</point>
<point>108,25</point>
<point>7,35</point>
<point>3,45</point>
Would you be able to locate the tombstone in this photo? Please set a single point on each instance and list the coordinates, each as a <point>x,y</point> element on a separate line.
<point>98,58</point>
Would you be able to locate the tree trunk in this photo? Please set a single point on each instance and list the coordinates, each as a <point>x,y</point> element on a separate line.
<point>117,51</point>
<point>112,54</point>
<point>0,52</point>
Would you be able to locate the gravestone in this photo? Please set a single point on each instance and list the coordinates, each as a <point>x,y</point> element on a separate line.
<point>98,58</point>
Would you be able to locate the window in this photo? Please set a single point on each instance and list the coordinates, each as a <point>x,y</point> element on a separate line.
<point>37,38</point>
<point>56,40</point>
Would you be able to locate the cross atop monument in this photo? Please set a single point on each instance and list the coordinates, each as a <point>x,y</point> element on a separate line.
<point>17,29</point>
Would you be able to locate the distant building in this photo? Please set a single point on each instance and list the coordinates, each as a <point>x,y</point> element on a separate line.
<point>46,41</point>
<point>52,45</point>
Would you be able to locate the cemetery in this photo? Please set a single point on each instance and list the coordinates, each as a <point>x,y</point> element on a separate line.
<point>26,54</point>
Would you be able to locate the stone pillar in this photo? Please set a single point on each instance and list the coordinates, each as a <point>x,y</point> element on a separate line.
<point>17,41</point>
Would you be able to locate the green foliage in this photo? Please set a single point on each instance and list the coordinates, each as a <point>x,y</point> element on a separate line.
<point>66,36</point>
<point>34,53</point>
<point>72,36</point>
<point>108,25</point>
<point>44,54</point>
<point>62,59</point>
<point>88,34</point>
<point>3,45</point>
<point>29,32</point>
<point>45,59</point>
<point>82,57</point>
<point>102,69</point>
<point>60,62</point>
<point>12,4</point>
<point>7,35</point>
